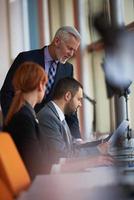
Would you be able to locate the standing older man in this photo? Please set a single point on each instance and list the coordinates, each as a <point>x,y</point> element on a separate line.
<point>53,59</point>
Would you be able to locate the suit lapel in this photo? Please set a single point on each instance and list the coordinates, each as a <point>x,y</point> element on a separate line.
<point>40,59</point>
<point>51,106</point>
<point>67,138</point>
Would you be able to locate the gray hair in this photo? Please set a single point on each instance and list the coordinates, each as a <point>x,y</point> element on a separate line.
<point>64,32</point>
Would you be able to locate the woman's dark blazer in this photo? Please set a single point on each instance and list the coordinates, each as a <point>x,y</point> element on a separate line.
<point>24,129</point>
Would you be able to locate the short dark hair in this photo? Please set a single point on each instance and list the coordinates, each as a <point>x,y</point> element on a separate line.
<point>64,85</point>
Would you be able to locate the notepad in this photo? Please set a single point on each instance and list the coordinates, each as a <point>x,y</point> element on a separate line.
<point>112,138</point>
<point>121,129</point>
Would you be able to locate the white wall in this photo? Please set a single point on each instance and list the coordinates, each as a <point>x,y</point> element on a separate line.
<point>16,27</point>
<point>4,41</point>
<point>13,33</point>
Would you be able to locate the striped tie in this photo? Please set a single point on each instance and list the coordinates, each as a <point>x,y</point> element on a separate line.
<point>51,75</point>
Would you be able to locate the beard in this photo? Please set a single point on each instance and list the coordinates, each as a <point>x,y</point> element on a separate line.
<point>61,59</point>
<point>70,109</point>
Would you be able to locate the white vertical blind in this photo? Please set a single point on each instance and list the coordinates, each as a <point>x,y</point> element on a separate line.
<point>4,41</point>
<point>25,21</point>
<point>46,22</point>
<point>16,27</point>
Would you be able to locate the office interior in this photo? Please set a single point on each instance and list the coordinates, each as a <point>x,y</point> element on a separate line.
<point>31,24</point>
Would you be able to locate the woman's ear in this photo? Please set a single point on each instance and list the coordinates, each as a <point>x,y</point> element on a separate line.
<point>40,87</point>
<point>68,96</point>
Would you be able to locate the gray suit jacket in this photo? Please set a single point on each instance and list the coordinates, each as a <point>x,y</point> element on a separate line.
<point>53,136</point>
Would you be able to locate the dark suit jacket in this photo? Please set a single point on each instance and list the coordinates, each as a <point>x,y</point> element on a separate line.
<point>25,132</point>
<point>53,133</point>
<point>63,70</point>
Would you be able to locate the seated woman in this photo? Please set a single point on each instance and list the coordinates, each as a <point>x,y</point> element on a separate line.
<point>21,122</point>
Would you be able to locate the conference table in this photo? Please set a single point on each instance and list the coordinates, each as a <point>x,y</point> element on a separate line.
<point>101,183</point>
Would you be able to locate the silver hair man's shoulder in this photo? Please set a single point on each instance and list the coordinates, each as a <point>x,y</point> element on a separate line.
<point>68,29</point>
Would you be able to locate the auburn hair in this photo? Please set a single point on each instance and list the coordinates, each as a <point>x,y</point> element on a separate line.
<point>26,79</point>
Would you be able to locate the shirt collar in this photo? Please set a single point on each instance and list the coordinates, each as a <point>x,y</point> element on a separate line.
<point>48,57</point>
<point>59,111</point>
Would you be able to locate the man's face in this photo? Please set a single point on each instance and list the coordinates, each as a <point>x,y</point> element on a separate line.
<point>65,49</point>
<point>74,103</point>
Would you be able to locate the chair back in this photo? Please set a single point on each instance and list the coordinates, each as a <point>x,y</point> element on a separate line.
<point>12,168</point>
<point>5,194</point>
